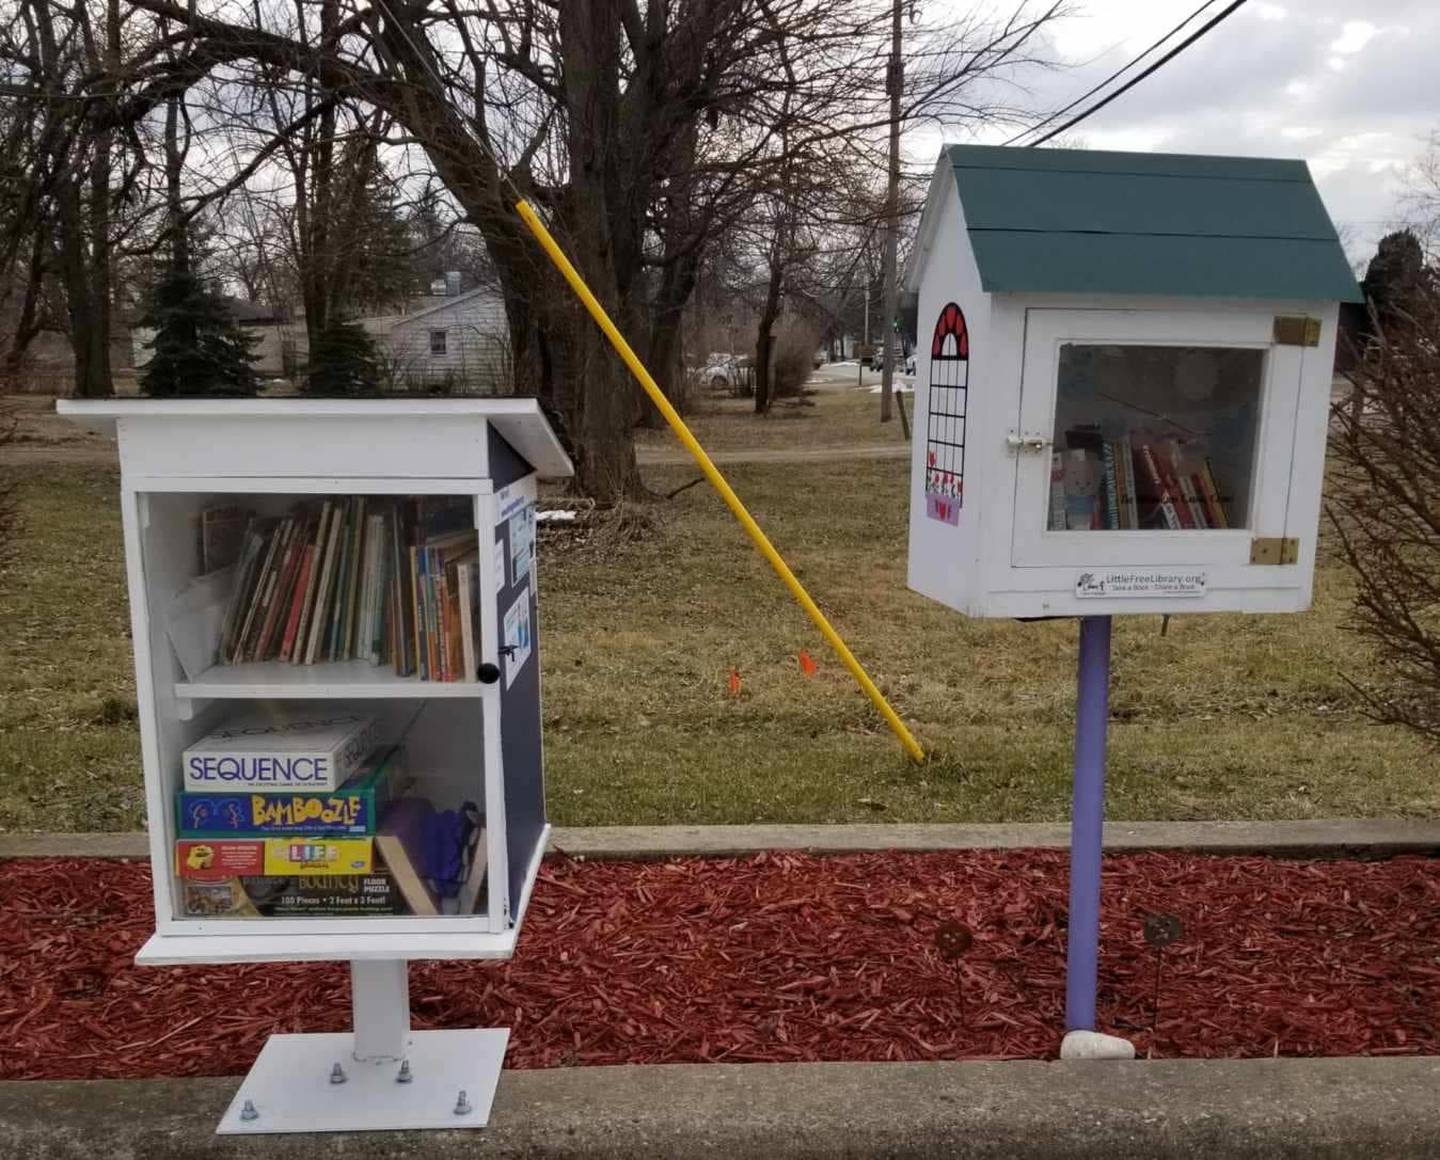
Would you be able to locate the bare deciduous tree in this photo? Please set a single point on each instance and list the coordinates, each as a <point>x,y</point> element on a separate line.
<point>1386,503</point>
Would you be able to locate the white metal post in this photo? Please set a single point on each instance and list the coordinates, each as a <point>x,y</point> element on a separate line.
<point>380,1009</point>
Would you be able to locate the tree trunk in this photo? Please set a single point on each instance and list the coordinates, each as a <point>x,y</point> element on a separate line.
<point>765,343</point>
<point>892,222</point>
<point>604,230</point>
<point>174,171</point>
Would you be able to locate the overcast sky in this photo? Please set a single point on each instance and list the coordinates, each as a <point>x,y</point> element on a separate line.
<point>1353,89</point>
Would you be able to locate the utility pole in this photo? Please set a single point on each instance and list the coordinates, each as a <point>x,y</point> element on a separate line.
<point>893,84</point>
<point>864,351</point>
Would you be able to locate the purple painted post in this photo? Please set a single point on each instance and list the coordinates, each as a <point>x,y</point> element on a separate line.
<point>1087,820</point>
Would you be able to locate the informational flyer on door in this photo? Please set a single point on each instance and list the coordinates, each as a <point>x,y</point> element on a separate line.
<point>517,635</point>
<point>522,542</point>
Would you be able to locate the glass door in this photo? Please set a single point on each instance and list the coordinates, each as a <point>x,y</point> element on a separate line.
<point>1152,437</point>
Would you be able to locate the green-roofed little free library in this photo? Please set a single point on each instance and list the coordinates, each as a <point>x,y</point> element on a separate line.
<point>1092,222</point>
<point>1123,382</point>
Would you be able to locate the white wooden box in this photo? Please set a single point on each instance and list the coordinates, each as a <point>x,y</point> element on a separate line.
<point>1078,310</point>
<point>471,739</point>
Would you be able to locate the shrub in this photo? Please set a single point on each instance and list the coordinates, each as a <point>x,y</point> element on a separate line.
<point>794,358</point>
<point>344,360</point>
<point>1386,506</point>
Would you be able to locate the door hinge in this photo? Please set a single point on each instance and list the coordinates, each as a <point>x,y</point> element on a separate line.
<point>1296,330</point>
<point>1274,550</point>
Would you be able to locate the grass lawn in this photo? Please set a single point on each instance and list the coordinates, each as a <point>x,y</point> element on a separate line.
<point>1223,717</point>
<point>829,418</point>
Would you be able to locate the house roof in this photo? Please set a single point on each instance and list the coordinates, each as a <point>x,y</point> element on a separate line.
<point>518,419</point>
<point>445,304</point>
<point>1088,222</point>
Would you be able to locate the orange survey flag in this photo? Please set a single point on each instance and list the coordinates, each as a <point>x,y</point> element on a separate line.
<point>807,664</point>
<point>734,682</point>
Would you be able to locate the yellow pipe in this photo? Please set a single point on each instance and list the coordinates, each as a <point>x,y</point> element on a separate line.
<point>717,481</point>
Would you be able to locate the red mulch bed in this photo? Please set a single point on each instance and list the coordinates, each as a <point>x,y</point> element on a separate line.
<point>776,957</point>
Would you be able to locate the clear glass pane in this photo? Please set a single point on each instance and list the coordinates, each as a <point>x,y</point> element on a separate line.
<point>1154,437</point>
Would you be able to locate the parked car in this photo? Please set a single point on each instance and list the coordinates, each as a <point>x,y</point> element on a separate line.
<point>904,363</point>
<point>728,374</point>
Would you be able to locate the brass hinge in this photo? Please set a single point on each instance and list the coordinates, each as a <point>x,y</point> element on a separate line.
<point>1293,330</point>
<point>1274,550</point>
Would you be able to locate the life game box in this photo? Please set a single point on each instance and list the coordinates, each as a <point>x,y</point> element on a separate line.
<point>214,859</point>
<point>295,896</point>
<point>353,809</point>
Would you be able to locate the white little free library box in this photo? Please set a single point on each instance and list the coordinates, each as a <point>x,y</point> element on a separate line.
<point>475,738</point>
<point>1123,382</point>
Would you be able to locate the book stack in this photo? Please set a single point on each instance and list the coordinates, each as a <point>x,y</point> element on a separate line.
<point>390,581</point>
<point>303,816</point>
<point>1139,481</point>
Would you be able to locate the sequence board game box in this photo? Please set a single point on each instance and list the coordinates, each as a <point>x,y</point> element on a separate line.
<point>216,859</point>
<point>315,751</point>
<point>298,896</point>
<point>353,809</point>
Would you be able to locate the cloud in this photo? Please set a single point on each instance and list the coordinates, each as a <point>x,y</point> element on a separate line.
<point>1355,97</point>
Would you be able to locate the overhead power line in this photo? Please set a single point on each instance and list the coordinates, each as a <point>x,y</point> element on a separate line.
<point>1133,81</point>
<point>1124,68</point>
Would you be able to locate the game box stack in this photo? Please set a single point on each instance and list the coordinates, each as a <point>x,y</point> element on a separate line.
<point>303,815</point>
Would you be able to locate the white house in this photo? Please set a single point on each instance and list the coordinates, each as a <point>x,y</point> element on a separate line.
<point>462,342</point>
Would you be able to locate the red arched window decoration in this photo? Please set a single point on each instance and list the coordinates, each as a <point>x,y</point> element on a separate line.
<point>946,405</point>
<point>951,323</point>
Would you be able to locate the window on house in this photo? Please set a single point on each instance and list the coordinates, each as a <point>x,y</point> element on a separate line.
<point>437,342</point>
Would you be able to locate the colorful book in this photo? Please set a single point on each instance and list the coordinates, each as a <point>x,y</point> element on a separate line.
<point>317,751</point>
<point>323,593</point>
<point>245,570</point>
<point>1192,499</point>
<point>297,602</point>
<point>222,536</point>
<point>1164,506</point>
<point>307,608</point>
<point>1132,501</point>
<point>278,612</point>
<point>255,594</point>
<point>400,630</point>
<point>1206,479</point>
<point>467,576</point>
<point>1056,522</point>
<point>353,809</point>
<point>417,621</point>
<point>1111,486</point>
<point>214,859</point>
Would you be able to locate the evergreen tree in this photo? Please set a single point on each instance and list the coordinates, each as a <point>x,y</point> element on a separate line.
<point>1395,274</point>
<point>198,348</point>
<point>344,361</point>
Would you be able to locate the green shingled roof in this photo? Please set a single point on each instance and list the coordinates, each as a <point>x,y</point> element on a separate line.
<point>1084,222</point>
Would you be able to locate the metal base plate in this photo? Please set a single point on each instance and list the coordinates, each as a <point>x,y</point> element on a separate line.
<point>290,1087</point>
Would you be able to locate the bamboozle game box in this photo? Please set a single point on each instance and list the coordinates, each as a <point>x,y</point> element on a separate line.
<point>313,750</point>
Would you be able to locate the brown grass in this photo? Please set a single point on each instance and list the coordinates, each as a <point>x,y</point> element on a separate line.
<point>1223,717</point>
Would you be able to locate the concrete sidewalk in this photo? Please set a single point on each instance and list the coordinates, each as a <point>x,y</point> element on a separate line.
<point>1164,1110</point>
<point>1327,837</point>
